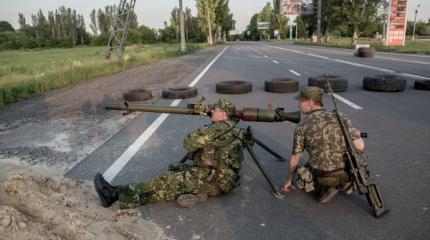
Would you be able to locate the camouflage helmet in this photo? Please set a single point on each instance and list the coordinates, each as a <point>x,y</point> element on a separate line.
<point>311,93</point>
<point>224,105</point>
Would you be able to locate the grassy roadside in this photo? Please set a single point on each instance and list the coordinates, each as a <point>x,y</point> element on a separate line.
<point>24,73</point>
<point>416,46</point>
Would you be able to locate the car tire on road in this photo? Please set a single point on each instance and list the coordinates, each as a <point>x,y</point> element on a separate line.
<point>366,52</point>
<point>384,83</point>
<point>179,92</point>
<point>137,95</point>
<point>422,84</point>
<point>337,83</point>
<point>233,87</point>
<point>281,85</point>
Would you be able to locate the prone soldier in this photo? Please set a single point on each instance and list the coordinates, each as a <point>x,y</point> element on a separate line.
<point>217,154</point>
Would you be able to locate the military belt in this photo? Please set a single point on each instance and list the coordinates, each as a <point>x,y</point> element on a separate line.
<point>333,173</point>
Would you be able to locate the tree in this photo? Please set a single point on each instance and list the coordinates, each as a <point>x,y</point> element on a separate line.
<point>253,28</point>
<point>224,19</point>
<point>93,25</point>
<point>206,14</point>
<point>175,22</point>
<point>6,27</point>
<point>266,16</point>
<point>356,14</point>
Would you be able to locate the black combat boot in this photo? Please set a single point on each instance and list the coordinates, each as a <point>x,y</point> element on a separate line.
<point>108,194</point>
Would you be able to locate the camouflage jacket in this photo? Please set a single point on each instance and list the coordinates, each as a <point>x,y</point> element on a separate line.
<point>321,136</point>
<point>224,137</point>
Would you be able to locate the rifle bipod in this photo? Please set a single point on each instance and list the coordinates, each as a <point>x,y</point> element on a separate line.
<point>249,141</point>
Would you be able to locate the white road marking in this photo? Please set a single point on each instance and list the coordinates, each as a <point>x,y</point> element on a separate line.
<point>337,60</point>
<point>295,73</point>
<point>275,61</point>
<point>415,76</point>
<point>318,56</point>
<point>125,157</point>
<point>360,65</point>
<point>265,56</point>
<point>347,102</point>
<point>402,60</point>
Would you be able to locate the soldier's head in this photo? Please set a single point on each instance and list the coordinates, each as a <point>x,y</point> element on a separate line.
<point>220,110</point>
<point>310,98</point>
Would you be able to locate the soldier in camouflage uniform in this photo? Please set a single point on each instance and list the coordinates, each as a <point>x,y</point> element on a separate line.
<point>217,154</point>
<point>321,136</point>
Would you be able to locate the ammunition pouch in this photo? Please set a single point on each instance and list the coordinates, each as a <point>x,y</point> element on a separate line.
<point>205,157</point>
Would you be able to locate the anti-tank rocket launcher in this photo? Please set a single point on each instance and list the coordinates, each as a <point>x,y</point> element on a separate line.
<point>245,114</point>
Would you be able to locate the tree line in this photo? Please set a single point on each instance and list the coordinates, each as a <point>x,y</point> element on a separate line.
<point>64,27</point>
<point>346,18</point>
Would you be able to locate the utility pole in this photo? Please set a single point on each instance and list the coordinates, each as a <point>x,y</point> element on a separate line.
<point>415,22</point>
<point>119,30</point>
<point>319,22</point>
<point>181,19</point>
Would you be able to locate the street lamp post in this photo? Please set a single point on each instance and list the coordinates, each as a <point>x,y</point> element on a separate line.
<point>415,22</point>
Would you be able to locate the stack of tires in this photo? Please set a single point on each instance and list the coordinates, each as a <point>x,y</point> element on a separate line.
<point>233,87</point>
<point>366,52</point>
<point>337,83</point>
<point>281,85</point>
<point>384,83</point>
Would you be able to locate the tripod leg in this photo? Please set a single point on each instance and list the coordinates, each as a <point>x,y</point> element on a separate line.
<point>265,147</point>
<point>275,191</point>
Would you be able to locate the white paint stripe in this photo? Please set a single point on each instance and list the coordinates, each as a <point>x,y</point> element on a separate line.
<point>338,60</point>
<point>275,61</point>
<point>206,69</point>
<point>415,76</point>
<point>265,56</point>
<point>402,60</point>
<point>125,157</point>
<point>347,102</point>
<point>318,56</point>
<point>296,73</point>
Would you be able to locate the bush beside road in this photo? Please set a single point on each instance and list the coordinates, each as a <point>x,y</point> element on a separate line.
<point>419,46</point>
<point>24,73</point>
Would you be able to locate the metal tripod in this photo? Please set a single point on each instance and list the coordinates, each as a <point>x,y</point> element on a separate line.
<point>249,140</point>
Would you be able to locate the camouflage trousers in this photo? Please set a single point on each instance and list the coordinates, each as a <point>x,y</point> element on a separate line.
<point>310,179</point>
<point>170,185</point>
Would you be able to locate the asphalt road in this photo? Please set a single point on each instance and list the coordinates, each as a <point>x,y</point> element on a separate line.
<point>398,125</point>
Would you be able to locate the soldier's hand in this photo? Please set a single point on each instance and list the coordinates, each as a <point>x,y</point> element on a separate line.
<point>288,187</point>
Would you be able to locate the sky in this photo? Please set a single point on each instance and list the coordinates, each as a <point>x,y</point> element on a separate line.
<point>153,13</point>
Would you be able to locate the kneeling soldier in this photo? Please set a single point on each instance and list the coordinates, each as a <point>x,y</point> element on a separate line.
<point>321,136</point>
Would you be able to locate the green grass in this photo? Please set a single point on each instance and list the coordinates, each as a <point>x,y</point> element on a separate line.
<point>24,73</point>
<point>417,46</point>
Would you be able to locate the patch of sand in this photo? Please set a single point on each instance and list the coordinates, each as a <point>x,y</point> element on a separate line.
<point>45,206</point>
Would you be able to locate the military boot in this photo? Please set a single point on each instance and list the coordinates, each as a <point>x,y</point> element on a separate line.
<point>190,200</point>
<point>108,194</point>
<point>328,195</point>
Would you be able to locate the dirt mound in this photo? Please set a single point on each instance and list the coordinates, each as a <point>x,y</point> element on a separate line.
<point>47,207</point>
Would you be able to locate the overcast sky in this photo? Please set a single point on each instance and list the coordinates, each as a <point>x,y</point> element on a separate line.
<point>153,13</point>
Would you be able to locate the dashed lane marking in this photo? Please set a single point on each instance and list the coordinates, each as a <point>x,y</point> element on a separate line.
<point>275,61</point>
<point>119,164</point>
<point>295,73</point>
<point>351,63</point>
